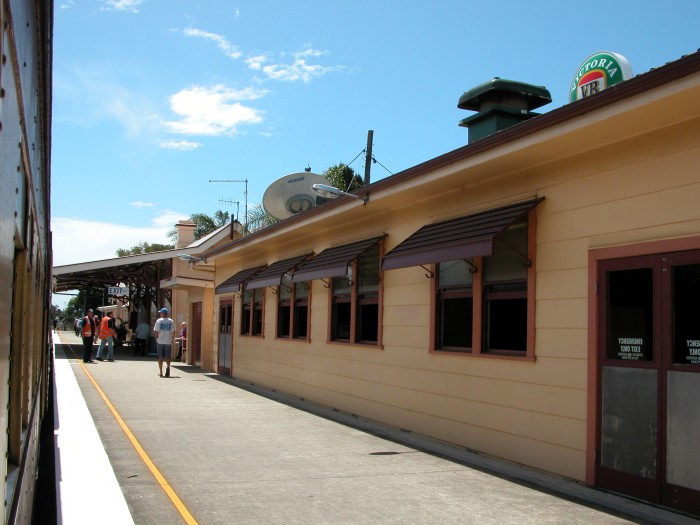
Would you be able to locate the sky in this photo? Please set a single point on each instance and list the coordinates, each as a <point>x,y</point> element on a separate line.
<point>154,99</point>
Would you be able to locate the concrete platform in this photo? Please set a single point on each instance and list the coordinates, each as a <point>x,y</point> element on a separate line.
<point>200,448</point>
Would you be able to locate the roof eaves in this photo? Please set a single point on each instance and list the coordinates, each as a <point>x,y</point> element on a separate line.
<point>657,77</point>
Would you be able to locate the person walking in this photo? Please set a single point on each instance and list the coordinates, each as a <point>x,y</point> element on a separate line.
<point>87,331</point>
<point>165,328</point>
<point>107,332</point>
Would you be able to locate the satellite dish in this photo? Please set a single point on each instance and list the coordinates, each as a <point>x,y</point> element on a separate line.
<point>292,194</point>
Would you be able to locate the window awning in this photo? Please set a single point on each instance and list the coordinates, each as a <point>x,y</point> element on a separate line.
<point>272,275</point>
<point>233,283</point>
<point>470,236</point>
<point>333,262</point>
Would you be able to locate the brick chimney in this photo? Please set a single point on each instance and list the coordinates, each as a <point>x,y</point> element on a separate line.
<point>185,233</point>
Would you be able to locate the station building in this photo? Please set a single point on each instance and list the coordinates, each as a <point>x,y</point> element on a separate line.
<point>530,296</point>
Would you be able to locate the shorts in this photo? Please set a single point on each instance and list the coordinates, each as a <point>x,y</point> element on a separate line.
<point>164,351</point>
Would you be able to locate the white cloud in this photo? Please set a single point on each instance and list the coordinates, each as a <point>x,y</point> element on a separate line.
<point>221,42</point>
<point>121,5</point>
<point>139,204</point>
<point>255,63</point>
<point>181,145</point>
<point>213,111</point>
<point>299,69</point>
<point>67,4</point>
<point>89,95</point>
<point>69,246</point>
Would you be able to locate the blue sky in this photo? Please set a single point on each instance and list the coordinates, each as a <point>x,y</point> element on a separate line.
<point>154,98</point>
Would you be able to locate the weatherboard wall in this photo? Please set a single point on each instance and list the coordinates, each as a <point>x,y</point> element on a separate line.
<point>621,177</point>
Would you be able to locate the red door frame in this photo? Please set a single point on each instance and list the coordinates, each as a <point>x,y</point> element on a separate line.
<point>669,246</point>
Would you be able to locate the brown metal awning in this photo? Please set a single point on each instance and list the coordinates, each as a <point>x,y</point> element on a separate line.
<point>233,283</point>
<point>333,262</point>
<point>272,275</point>
<point>470,236</point>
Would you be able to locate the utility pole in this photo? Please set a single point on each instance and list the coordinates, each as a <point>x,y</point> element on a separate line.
<point>368,157</point>
<point>245,194</point>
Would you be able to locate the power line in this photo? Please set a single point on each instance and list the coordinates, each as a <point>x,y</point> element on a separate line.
<point>382,165</point>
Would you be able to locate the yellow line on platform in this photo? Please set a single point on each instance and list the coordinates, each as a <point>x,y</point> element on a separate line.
<point>189,519</point>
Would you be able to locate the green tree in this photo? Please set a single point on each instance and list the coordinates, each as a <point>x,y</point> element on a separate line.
<point>144,247</point>
<point>258,218</point>
<point>75,308</point>
<point>343,177</point>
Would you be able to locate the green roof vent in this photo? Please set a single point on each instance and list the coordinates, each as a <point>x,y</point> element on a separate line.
<point>500,104</point>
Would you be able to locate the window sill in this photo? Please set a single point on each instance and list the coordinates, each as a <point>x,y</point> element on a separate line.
<point>365,346</point>
<point>490,355</point>
<point>293,339</point>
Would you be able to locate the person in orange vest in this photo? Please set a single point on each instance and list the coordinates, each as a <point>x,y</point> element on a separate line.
<point>87,331</point>
<point>107,332</point>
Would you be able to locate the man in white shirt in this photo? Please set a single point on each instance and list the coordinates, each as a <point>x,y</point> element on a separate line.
<point>165,330</point>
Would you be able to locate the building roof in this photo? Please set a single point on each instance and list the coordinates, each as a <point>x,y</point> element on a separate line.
<point>142,267</point>
<point>415,179</point>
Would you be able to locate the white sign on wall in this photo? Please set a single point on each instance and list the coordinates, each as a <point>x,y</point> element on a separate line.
<point>117,290</point>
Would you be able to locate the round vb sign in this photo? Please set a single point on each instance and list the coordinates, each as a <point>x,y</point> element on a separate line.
<point>598,72</point>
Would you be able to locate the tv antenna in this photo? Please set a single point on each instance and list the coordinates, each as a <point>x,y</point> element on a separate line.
<point>231,202</point>
<point>244,193</point>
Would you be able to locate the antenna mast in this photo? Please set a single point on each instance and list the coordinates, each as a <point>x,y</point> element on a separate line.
<point>368,157</point>
<point>245,194</point>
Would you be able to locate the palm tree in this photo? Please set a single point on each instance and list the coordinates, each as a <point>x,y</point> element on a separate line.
<point>258,218</point>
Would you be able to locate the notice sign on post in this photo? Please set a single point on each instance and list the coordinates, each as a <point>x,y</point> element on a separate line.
<point>117,290</point>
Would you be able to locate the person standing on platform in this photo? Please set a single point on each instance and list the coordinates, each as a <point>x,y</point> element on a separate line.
<point>107,332</point>
<point>143,330</point>
<point>87,331</point>
<point>165,328</point>
<point>182,342</point>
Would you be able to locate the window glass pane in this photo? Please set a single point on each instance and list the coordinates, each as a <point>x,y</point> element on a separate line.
<point>300,321</point>
<point>453,273</point>
<point>368,271</point>
<point>257,321</point>
<point>245,320</point>
<point>340,329</point>
<point>686,314</point>
<point>368,320</point>
<point>283,320</point>
<point>505,320</point>
<point>301,291</point>
<point>507,262</point>
<point>285,289</point>
<point>454,321</point>
<point>630,315</point>
<point>341,285</point>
